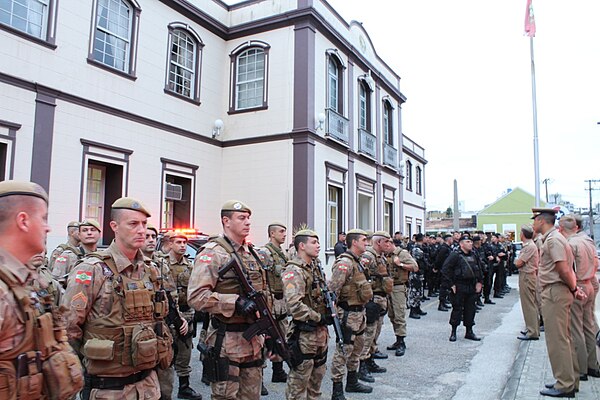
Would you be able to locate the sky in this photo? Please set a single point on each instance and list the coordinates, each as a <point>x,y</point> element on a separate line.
<point>465,68</point>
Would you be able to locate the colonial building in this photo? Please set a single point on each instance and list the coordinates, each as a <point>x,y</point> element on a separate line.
<point>187,103</point>
<point>414,187</point>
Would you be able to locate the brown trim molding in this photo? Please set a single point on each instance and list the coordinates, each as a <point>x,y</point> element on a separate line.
<point>10,125</point>
<point>43,134</point>
<point>12,138</point>
<point>414,155</point>
<point>414,205</point>
<point>89,143</point>
<point>303,179</point>
<point>180,163</point>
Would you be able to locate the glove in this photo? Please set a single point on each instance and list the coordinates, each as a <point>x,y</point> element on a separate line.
<point>245,306</point>
<point>326,319</point>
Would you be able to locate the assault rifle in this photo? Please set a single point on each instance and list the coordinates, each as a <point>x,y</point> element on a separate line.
<point>173,318</point>
<point>265,324</point>
<point>331,308</point>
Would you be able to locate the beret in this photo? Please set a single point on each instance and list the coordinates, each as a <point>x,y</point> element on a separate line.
<point>235,205</point>
<point>277,224</point>
<point>357,232</point>
<point>476,238</point>
<point>307,232</point>
<point>383,234</point>
<point>527,228</point>
<point>129,203</point>
<point>90,222</point>
<point>152,227</point>
<point>21,188</point>
<point>73,224</point>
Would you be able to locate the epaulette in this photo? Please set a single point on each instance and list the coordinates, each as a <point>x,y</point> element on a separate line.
<point>209,245</point>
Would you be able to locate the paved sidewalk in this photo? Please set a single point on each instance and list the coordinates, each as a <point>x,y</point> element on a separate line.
<point>531,370</point>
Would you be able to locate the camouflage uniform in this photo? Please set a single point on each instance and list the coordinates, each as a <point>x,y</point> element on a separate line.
<point>382,285</point>
<point>217,295</point>
<point>302,290</point>
<point>63,263</point>
<point>397,306</point>
<point>415,294</point>
<point>353,291</point>
<point>112,302</point>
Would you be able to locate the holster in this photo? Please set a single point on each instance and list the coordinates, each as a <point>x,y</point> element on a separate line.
<point>373,311</point>
<point>214,367</point>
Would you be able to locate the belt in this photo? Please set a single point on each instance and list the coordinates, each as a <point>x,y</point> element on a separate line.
<point>116,383</point>
<point>229,327</point>
<point>344,306</point>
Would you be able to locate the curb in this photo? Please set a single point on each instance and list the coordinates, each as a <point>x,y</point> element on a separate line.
<point>512,385</point>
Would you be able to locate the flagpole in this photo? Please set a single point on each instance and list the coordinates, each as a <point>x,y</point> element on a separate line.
<point>536,159</point>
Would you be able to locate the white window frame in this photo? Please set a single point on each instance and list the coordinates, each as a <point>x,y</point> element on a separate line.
<point>193,37</point>
<point>333,235</point>
<point>235,84</point>
<point>47,24</point>
<point>418,180</point>
<point>409,185</point>
<point>388,123</point>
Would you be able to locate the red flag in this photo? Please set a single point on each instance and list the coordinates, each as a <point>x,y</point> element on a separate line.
<point>529,20</point>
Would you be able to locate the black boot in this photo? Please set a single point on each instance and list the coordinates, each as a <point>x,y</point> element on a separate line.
<point>185,391</point>
<point>354,386</point>
<point>364,374</point>
<point>373,367</point>
<point>471,335</point>
<point>338,391</point>
<point>263,389</point>
<point>442,307</point>
<point>401,347</point>
<point>453,334</point>
<point>488,301</point>
<point>395,345</point>
<point>279,374</point>
<point>413,313</point>
<point>479,302</point>
<point>432,294</point>
<point>421,312</point>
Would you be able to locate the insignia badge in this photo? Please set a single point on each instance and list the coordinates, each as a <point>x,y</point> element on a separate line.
<point>83,277</point>
<point>61,259</point>
<point>106,271</point>
<point>237,206</point>
<point>135,205</point>
<point>79,301</point>
<point>132,286</point>
<point>343,267</point>
<point>149,285</point>
<point>204,258</point>
<point>288,275</point>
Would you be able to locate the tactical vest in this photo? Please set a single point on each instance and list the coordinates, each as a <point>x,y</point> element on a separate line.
<point>313,294</point>
<point>180,274</point>
<point>274,271</point>
<point>399,274</point>
<point>42,365</point>
<point>131,336</point>
<point>358,291</point>
<point>229,284</point>
<point>381,282</point>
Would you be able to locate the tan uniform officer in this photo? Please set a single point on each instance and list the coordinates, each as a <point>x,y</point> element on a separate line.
<point>72,243</point>
<point>30,370</point>
<point>353,291</point>
<point>308,335</point>
<point>559,287</point>
<point>275,260</point>
<point>89,235</point>
<point>402,264</point>
<point>375,261</point>
<point>116,321</point>
<point>181,269</point>
<point>237,368</point>
<point>527,263</point>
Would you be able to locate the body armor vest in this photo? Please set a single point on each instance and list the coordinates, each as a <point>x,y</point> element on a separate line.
<point>274,271</point>
<point>358,291</point>
<point>313,293</point>
<point>380,280</point>
<point>399,274</point>
<point>129,336</point>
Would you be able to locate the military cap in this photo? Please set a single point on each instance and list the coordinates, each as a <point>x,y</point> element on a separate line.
<point>177,235</point>
<point>342,233</point>
<point>152,228</point>
<point>276,223</point>
<point>356,232</point>
<point>383,234</point>
<point>22,188</point>
<point>129,203</point>
<point>419,237</point>
<point>307,232</point>
<point>90,222</point>
<point>540,211</point>
<point>464,237</point>
<point>527,228</point>
<point>446,236</point>
<point>235,205</point>
<point>476,238</point>
<point>73,224</point>
<point>369,234</point>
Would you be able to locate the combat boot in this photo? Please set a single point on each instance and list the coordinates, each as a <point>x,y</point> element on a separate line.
<point>401,347</point>
<point>421,312</point>
<point>354,386</point>
<point>453,334</point>
<point>471,335</point>
<point>279,375</point>
<point>338,391</point>
<point>413,313</point>
<point>395,345</point>
<point>373,367</point>
<point>263,389</point>
<point>364,374</point>
<point>442,307</point>
<point>186,391</point>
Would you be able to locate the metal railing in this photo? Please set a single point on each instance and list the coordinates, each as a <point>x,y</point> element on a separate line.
<point>337,126</point>
<point>367,143</point>
<point>390,156</point>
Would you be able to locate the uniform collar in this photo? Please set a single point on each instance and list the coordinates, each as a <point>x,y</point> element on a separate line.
<point>121,261</point>
<point>545,235</point>
<point>173,260</point>
<point>15,267</point>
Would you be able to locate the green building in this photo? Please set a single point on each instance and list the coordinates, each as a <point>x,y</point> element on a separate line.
<point>508,213</point>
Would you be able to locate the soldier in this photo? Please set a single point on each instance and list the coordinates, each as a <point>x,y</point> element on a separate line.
<point>71,243</point>
<point>416,293</point>
<point>353,291</point>
<point>46,282</point>
<point>238,362</point>
<point>401,265</point>
<point>382,284</point>
<point>89,235</point>
<point>340,246</point>
<point>442,255</point>
<point>462,274</point>
<point>181,269</point>
<point>30,369</point>
<point>527,264</point>
<point>115,299</point>
<point>275,260</point>
<point>308,334</point>
<point>165,244</point>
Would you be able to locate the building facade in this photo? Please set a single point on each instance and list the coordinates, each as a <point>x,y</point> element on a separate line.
<point>414,163</point>
<point>187,103</point>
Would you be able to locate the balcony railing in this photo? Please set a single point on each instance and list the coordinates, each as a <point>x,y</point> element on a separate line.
<point>337,126</point>
<point>367,143</point>
<point>390,156</point>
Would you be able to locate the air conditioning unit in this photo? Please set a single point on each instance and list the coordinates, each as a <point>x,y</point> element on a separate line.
<point>173,191</point>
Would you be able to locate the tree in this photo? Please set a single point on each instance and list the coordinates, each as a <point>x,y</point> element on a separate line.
<point>449,212</point>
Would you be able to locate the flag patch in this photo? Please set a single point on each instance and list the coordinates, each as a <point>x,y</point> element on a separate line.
<point>205,258</point>
<point>288,275</point>
<point>83,277</point>
<point>343,267</point>
<point>61,259</point>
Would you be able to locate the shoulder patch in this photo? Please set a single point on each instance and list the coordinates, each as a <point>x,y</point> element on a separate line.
<point>343,266</point>
<point>83,277</point>
<point>288,275</point>
<point>61,259</point>
<point>79,301</point>
<point>205,258</point>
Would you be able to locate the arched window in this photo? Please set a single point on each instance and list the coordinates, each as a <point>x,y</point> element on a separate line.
<point>364,106</point>
<point>408,178</point>
<point>418,180</point>
<point>335,82</point>
<point>115,33</point>
<point>250,66</point>
<point>185,48</point>
<point>388,123</point>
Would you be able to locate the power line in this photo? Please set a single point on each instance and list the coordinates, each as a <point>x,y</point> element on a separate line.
<point>590,181</point>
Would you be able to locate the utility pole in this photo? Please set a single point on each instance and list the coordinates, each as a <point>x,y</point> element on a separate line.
<point>590,181</point>
<point>545,182</point>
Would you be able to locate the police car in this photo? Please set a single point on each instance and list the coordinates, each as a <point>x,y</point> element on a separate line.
<point>195,240</point>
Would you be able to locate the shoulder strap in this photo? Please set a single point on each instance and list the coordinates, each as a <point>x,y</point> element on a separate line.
<point>221,241</point>
<point>24,303</point>
<point>277,250</point>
